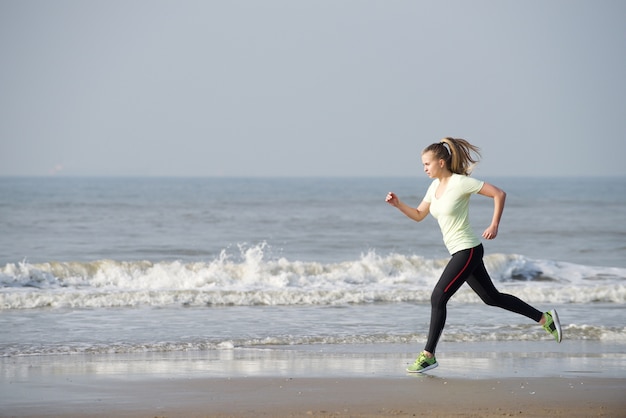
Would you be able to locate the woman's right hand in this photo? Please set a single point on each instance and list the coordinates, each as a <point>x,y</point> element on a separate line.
<point>392,199</point>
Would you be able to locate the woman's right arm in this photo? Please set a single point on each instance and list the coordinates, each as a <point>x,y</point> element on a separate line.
<point>417,214</point>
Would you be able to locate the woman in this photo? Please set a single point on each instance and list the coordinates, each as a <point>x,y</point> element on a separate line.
<point>449,163</point>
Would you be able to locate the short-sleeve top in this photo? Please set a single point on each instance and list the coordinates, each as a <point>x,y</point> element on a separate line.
<point>452,211</point>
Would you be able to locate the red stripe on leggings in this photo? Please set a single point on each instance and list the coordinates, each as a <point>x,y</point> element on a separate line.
<point>460,272</point>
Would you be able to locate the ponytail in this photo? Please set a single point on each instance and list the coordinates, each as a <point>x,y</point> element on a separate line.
<point>459,159</point>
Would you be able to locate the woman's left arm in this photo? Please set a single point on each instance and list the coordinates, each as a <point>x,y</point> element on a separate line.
<point>498,196</point>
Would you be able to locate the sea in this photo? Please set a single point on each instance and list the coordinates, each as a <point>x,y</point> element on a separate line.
<point>154,265</point>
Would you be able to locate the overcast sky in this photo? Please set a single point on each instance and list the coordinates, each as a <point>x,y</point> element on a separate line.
<point>310,88</point>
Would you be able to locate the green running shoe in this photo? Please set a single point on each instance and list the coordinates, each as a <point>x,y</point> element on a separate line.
<point>552,325</point>
<point>422,364</point>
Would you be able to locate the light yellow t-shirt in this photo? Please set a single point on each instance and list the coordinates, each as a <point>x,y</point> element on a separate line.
<point>452,211</point>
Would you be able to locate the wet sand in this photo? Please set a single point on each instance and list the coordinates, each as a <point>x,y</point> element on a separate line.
<point>343,397</point>
<point>316,382</point>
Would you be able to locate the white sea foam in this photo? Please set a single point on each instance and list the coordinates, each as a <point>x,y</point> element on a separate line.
<point>250,278</point>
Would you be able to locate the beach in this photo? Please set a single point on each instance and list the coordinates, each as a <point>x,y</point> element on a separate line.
<point>347,382</point>
<point>160,298</point>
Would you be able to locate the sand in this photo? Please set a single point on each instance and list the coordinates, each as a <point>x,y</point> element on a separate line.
<point>333,397</point>
<point>296,383</point>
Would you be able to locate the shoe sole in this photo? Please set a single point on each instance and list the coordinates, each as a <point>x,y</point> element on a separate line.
<point>432,366</point>
<point>557,324</point>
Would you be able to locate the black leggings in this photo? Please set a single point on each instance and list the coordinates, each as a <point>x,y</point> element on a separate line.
<point>467,266</point>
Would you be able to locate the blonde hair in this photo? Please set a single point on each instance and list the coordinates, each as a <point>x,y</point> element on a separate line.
<point>458,158</point>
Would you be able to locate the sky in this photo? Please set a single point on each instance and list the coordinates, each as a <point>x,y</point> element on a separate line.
<point>310,88</point>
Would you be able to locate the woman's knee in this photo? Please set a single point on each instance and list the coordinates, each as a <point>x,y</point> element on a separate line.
<point>490,301</point>
<point>493,299</point>
<point>437,298</point>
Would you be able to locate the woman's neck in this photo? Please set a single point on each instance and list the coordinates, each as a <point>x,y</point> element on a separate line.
<point>445,176</point>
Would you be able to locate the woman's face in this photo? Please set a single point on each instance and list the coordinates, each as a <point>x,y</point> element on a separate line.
<point>433,167</point>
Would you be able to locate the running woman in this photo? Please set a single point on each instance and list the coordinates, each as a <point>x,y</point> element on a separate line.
<point>450,163</point>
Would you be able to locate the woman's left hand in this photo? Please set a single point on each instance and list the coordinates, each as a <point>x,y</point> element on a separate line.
<point>491,232</point>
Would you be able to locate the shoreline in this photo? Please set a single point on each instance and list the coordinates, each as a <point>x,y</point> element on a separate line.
<point>473,380</point>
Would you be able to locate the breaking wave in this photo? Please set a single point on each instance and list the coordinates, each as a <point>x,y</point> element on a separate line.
<point>250,278</point>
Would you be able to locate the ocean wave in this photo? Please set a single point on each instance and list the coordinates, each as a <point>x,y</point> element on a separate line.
<point>250,278</point>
